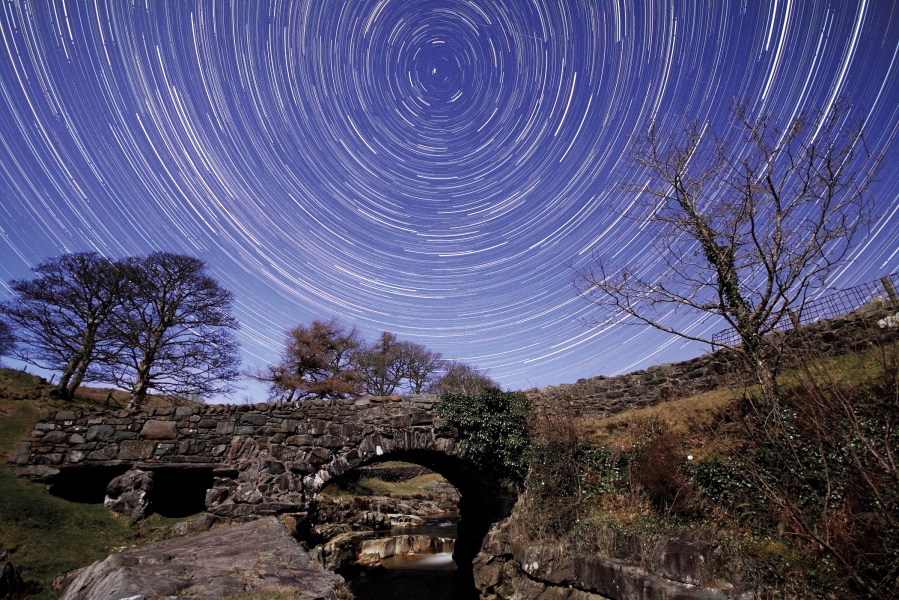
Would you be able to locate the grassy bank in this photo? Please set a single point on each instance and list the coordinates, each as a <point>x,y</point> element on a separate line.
<point>413,488</point>
<point>799,490</point>
<point>51,536</point>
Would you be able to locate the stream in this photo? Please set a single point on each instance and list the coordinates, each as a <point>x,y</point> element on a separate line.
<point>410,576</point>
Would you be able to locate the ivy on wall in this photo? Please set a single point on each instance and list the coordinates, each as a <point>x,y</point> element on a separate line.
<point>493,427</point>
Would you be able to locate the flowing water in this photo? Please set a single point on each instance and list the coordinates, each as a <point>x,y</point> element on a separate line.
<point>411,576</point>
<point>413,562</point>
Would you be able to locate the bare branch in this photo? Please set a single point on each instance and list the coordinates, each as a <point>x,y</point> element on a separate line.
<point>748,224</point>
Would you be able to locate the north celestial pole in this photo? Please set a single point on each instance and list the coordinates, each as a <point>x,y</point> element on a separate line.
<point>431,168</point>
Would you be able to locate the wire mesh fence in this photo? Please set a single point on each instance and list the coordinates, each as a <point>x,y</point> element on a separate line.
<point>882,292</point>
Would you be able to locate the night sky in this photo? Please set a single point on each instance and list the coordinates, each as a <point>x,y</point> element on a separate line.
<point>432,168</point>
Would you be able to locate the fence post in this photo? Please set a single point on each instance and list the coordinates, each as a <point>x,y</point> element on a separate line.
<point>891,291</point>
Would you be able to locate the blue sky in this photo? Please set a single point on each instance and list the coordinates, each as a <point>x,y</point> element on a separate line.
<point>434,168</point>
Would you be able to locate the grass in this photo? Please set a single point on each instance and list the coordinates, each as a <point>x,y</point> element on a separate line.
<point>112,398</point>
<point>16,421</point>
<point>401,489</point>
<point>683,416</point>
<point>371,486</point>
<point>848,369</point>
<point>51,536</point>
<point>694,416</point>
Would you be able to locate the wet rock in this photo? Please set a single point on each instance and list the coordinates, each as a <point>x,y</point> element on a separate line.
<point>404,520</point>
<point>373,550</point>
<point>342,549</point>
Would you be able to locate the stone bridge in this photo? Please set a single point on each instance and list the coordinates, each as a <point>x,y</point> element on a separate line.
<point>243,461</point>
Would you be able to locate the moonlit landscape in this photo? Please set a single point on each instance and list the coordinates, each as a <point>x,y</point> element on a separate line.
<point>438,169</point>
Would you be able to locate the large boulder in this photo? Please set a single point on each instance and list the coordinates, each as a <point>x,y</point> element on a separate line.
<point>512,565</point>
<point>255,556</point>
<point>130,494</point>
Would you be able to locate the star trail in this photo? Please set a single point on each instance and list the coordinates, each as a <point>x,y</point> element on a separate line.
<point>433,168</point>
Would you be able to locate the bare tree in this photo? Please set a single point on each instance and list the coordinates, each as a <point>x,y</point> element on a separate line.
<point>174,334</point>
<point>747,225</point>
<point>319,361</point>
<point>383,365</point>
<point>61,314</point>
<point>462,379</point>
<point>7,339</point>
<point>422,366</point>
<point>390,363</point>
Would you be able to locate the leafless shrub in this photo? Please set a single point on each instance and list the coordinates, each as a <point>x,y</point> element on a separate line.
<point>819,473</point>
<point>658,469</point>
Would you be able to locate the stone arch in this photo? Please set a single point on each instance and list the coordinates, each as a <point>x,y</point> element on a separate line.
<point>372,447</point>
<point>483,499</point>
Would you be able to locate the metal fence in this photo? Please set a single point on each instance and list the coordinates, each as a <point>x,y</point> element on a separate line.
<point>882,291</point>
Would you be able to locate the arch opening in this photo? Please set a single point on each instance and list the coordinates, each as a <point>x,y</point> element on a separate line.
<point>175,491</point>
<point>85,483</point>
<point>476,503</point>
<point>180,492</point>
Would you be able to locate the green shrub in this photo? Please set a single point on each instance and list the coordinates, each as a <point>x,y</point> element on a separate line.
<point>494,429</point>
<point>567,480</point>
<point>568,477</point>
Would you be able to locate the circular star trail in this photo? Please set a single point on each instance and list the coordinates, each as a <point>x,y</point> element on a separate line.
<point>435,169</point>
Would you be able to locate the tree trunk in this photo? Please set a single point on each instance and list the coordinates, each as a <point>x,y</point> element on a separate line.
<point>85,355</point>
<point>766,378</point>
<point>764,373</point>
<point>62,388</point>
<point>141,384</point>
<point>76,380</point>
<point>78,376</point>
<point>138,395</point>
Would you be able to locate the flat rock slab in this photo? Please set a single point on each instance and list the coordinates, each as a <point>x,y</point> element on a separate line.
<point>255,556</point>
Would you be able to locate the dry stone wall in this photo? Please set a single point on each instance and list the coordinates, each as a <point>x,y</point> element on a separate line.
<point>604,396</point>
